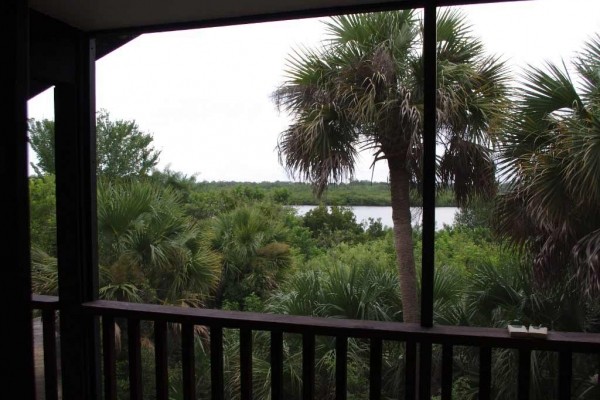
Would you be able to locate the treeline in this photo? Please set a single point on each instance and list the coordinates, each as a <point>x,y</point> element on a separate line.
<point>354,193</point>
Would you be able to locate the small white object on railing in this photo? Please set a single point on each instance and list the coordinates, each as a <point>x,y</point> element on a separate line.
<point>538,331</point>
<point>518,331</point>
<point>534,331</point>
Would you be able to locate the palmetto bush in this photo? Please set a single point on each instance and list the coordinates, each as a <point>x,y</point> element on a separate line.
<point>255,255</point>
<point>146,240</point>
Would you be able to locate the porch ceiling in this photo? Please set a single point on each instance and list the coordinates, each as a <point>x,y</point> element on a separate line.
<point>103,15</point>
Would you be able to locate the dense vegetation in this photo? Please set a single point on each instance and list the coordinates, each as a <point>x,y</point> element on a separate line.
<point>353,193</point>
<point>164,238</point>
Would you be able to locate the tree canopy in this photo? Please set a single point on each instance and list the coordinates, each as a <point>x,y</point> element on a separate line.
<point>122,149</point>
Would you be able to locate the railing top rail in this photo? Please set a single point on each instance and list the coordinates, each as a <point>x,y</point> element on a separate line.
<point>454,335</point>
<point>43,302</point>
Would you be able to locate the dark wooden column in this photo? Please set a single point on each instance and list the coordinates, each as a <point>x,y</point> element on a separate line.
<point>16,372</point>
<point>75,123</point>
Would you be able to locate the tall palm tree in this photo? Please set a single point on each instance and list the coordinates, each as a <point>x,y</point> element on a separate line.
<point>363,89</point>
<point>551,162</point>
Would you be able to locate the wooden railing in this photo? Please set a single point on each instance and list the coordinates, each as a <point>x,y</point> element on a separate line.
<point>414,336</point>
<point>48,305</point>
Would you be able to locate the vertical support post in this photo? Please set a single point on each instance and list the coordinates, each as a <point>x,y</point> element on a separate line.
<point>50,376</point>
<point>109,358</point>
<point>245,364</point>
<point>375,369</point>
<point>16,375</point>
<point>485,373</point>
<point>447,366</point>
<point>308,366</point>
<point>276,365</point>
<point>216,363</point>
<point>75,144</point>
<point>429,139</point>
<point>410,370</point>
<point>429,160</point>
<point>341,368</point>
<point>188,357</point>
<point>425,355</point>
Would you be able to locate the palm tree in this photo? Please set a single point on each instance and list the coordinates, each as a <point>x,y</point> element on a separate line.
<point>364,90</point>
<point>551,162</point>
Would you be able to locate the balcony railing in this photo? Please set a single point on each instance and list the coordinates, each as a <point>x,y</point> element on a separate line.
<point>414,336</point>
<point>48,306</point>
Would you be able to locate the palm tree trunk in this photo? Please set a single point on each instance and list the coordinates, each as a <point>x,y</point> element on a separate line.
<point>399,186</point>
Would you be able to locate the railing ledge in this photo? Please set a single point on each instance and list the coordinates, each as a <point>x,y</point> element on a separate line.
<point>454,335</point>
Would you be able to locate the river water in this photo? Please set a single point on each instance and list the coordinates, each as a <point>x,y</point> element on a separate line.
<point>443,215</point>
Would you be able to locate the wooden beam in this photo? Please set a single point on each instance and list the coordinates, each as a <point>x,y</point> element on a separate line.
<point>75,144</point>
<point>16,373</point>
<point>429,161</point>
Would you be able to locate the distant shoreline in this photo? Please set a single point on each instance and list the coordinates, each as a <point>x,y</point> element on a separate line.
<point>355,193</point>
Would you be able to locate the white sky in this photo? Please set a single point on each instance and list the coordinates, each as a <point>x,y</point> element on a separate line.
<point>205,94</point>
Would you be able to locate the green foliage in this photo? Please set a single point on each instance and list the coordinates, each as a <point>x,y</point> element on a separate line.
<point>353,193</point>
<point>122,149</point>
<point>255,255</point>
<point>332,225</point>
<point>44,273</point>
<point>357,282</point>
<point>42,215</point>
<point>41,138</point>
<point>147,240</point>
<point>550,159</point>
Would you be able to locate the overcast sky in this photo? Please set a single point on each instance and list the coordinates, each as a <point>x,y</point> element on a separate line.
<point>205,94</point>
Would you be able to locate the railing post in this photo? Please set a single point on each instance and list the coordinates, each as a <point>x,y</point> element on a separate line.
<point>308,366</point>
<point>109,358</point>
<point>410,370</point>
<point>161,360</point>
<point>135,359</point>
<point>216,363</point>
<point>447,367</point>
<point>485,372</point>
<point>565,374</point>
<point>276,365</point>
<point>50,361</point>
<point>375,369</point>
<point>188,359</point>
<point>524,372</point>
<point>245,364</point>
<point>341,367</point>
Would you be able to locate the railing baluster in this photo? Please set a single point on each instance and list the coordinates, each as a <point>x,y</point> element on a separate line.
<point>135,359</point>
<point>246,363</point>
<point>485,372</point>
<point>308,366</point>
<point>50,375</point>
<point>565,373</point>
<point>375,369</point>
<point>425,370</point>
<point>341,363</point>
<point>216,363</point>
<point>109,358</point>
<point>410,370</point>
<point>524,369</point>
<point>188,367</point>
<point>276,365</point>
<point>161,360</point>
<point>447,364</point>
